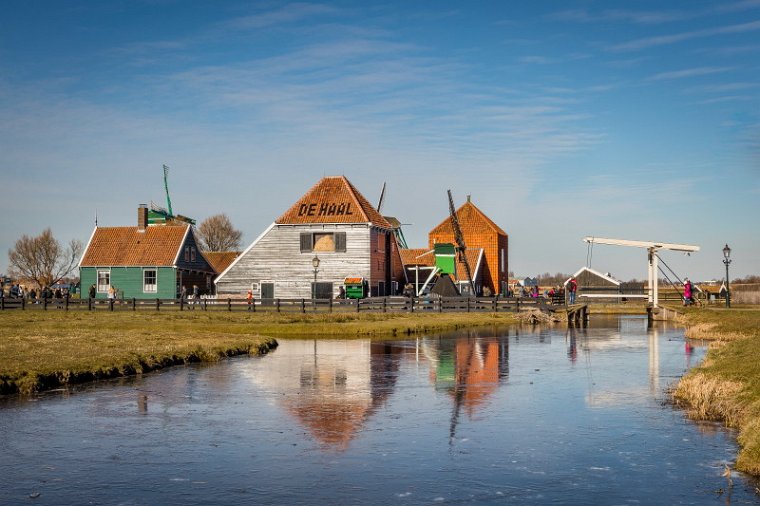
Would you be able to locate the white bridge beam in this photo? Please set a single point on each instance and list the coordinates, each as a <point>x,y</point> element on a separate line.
<point>652,258</point>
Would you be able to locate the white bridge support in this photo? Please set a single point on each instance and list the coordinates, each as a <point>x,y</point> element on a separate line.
<point>652,248</point>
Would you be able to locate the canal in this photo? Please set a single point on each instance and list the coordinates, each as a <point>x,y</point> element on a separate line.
<point>519,415</point>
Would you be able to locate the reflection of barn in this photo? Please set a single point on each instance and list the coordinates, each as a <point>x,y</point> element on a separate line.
<point>330,387</point>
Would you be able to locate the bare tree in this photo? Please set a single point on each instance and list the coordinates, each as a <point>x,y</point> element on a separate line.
<point>42,259</point>
<point>216,233</point>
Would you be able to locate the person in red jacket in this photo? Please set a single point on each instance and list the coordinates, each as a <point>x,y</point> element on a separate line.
<point>572,287</point>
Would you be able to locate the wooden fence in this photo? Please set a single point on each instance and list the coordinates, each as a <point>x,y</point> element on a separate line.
<point>373,304</point>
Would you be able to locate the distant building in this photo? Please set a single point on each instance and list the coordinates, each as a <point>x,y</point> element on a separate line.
<point>333,224</point>
<point>594,284</point>
<point>144,262</point>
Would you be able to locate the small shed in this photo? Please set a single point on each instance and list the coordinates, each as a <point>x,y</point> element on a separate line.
<point>595,285</point>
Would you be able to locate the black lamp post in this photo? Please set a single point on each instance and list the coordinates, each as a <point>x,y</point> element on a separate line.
<point>727,260</point>
<point>315,264</point>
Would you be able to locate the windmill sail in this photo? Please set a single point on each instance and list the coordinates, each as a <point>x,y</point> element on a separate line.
<point>459,239</point>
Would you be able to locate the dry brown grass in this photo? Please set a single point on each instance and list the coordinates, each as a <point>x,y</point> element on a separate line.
<point>46,349</point>
<point>726,386</point>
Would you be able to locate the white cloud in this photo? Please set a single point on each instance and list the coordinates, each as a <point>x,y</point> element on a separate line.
<point>662,40</point>
<point>687,73</point>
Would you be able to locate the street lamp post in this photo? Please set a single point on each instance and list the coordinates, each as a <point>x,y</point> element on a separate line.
<point>315,264</point>
<point>727,260</point>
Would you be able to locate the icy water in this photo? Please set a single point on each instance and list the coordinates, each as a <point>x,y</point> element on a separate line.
<point>508,416</point>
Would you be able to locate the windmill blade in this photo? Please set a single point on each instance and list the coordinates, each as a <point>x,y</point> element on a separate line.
<point>459,239</point>
<point>382,200</point>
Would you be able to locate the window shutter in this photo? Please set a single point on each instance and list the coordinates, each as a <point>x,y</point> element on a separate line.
<point>340,242</point>
<point>306,242</point>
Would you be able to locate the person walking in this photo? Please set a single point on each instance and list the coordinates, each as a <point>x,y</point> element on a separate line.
<point>572,287</point>
<point>688,292</point>
<point>92,292</point>
<point>196,296</point>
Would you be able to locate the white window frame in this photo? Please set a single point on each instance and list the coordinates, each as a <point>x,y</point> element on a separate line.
<point>150,288</point>
<point>103,288</point>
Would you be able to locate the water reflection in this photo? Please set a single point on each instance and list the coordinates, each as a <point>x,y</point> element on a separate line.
<point>522,415</point>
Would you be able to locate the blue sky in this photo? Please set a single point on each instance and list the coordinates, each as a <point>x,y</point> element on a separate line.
<point>635,120</point>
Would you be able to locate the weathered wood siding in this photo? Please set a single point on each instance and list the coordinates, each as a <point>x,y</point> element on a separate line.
<point>277,258</point>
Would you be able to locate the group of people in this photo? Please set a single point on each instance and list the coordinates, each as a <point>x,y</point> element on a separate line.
<point>17,291</point>
<point>194,295</point>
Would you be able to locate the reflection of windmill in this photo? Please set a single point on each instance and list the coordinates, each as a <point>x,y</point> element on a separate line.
<point>459,240</point>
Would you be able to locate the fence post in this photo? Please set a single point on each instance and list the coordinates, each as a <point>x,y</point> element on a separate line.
<point>23,304</point>
<point>134,304</point>
<point>44,303</point>
<point>65,302</point>
<point>181,303</point>
<point>277,304</point>
<point>496,303</point>
<point>2,302</point>
<point>229,304</point>
<point>110,304</point>
<point>440,304</point>
<point>205,304</point>
<point>385,301</point>
<point>357,305</point>
<point>158,304</point>
<point>253,305</point>
<point>411,304</point>
<point>303,305</point>
<point>330,305</point>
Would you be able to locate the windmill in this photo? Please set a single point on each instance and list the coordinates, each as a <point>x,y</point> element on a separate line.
<point>459,240</point>
<point>158,215</point>
<point>394,222</point>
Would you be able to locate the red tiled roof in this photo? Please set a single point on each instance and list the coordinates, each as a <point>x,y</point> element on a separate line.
<point>332,200</point>
<point>127,246</point>
<point>471,220</point>
<point>220,260</point>
<point>417,256</point>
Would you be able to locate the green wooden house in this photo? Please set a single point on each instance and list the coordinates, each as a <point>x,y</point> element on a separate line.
<point>144,262</point>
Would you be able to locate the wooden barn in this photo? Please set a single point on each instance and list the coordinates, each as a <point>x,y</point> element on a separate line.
<point>331,233</point>
<point>479,232</point>
<point>144,262</point>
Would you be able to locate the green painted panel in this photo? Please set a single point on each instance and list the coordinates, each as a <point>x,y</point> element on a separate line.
<point>128,281</point>
<point>445,256</point>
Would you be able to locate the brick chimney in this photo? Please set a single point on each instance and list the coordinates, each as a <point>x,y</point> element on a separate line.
<point>142,217</point>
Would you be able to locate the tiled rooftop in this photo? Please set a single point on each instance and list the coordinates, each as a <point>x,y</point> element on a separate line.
<point>333,200</point>
<point>127,246</point>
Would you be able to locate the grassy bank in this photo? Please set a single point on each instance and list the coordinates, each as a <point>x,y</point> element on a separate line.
<point>726,386</point>
<point>43,350</point>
